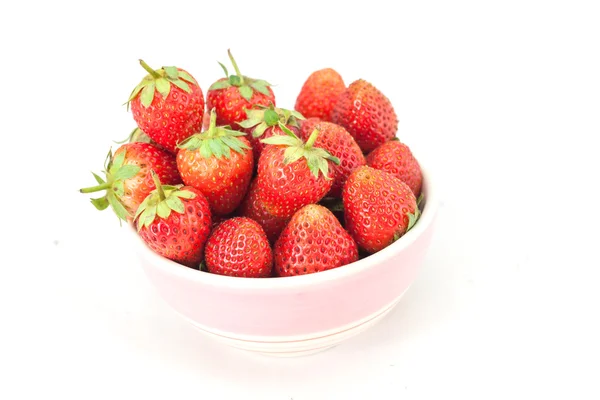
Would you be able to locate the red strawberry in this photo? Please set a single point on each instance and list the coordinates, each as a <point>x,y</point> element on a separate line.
<point>313,241</point>
<point>378,208</point>
<point>320,93</point>
<point>339,143</point>
<point>239,247</point>
<point>253,207</point>
<point>292,174</point>
<point>167,105</point>
<point>263,122</point>
<point>367,114</point>
<point>397,159</point>
<point>175,222</point>
<point>206,161</point>
<point>128,179</point>
<point>232,95</point>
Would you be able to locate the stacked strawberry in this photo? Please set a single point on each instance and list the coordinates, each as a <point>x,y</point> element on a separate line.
<point>248,189</point>
<point>233,95</point>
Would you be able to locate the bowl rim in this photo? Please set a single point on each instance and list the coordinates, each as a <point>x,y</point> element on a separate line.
<point>431,205</point>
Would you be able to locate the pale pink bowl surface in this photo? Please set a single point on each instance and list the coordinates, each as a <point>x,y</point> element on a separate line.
<point>301,314</point>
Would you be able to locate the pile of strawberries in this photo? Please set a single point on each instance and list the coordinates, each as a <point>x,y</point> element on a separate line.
<point>244,188</point>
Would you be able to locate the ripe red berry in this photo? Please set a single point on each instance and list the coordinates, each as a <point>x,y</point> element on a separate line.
<point>239,247</point>
<point>313,241</point>
<point>320,93</point>
<point>378,208</point>
<point>175,222</point>
<point>167,105</point>
<point>397,159</point>
<point>366,114</point>
<point>233,95</point>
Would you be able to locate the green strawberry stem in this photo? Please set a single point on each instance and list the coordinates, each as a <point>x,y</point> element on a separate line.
<point>213,120</point>
<point>212,130</point>
<point>235,66</point>
<point>312,139</point>
<point>152,72</point>
<point>96,188</point>
<point>159,189</point>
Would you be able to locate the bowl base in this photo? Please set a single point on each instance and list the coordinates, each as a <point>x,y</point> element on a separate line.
<point>283,354</point>
<point>297,346</point>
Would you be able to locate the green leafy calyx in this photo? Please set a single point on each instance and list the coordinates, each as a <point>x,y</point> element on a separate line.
<point>161,202</point>
<point>137,136</point>
<point>160,80</point>
<point>316,158</point>
<point>413,218</point>
<point>116,173</point>
<point>246,86</point>
<point>217,141</point>
<point>260,118</point>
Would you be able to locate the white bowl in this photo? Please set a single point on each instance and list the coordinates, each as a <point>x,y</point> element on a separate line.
<point>298,315</point>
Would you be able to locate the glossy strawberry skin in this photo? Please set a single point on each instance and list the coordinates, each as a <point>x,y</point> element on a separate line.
<point>171,120</point>
<point>366,114</point>
<point>320,93</point>
<point>339,143</point>
<point>239,247</point>
<point>181,237</point>
<point>230,105</point>
<point>253,207</point>
<point>376,208</point>
<point>224,181</point>
<point>284,189</point>
<point>148,157</point>
<point>313,241</point>
<point>396,158</point>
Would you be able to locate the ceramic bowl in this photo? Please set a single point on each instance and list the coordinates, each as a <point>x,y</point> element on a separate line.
<point>299,315</point>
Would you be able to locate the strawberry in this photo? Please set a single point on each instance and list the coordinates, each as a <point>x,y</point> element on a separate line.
<point>313,241</point>
<point>263,122</point>
<point>339,143</point>
<point>320,93</point>
<point>206,161</point>
<point>239,247</point>
<point>232,95</point>
<point>378,208</point>
<point>292,174</point>
<point>253,207</point>
<point>367,114</point>
<point>167,105</point>
<point>127,177</point>
<point>175,222</point>
<point>397,159</point>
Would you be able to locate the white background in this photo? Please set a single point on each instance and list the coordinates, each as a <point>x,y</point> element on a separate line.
<point>499,99</point>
